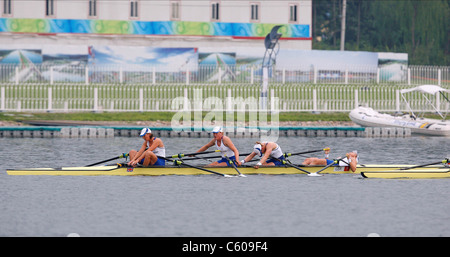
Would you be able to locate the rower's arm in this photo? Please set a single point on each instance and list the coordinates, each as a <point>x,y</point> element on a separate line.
<point>266,156</point>
<point>353,164</point>
<point>156,143</point>
<point>205,147</point>
<point>249,157</point>
<point>227,142</point>
<point>141,151</point>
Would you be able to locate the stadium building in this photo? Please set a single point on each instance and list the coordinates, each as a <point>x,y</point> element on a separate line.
<point>155,23</point>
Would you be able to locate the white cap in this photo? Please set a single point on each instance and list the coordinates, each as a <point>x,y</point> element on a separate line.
<point>217,129</point>
<point>145,131</point>
<point>257,149</point>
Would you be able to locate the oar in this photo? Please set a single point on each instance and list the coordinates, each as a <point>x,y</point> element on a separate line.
<point>124,155</point>
<point>316,174</point>
<point>228,159</point>
<point>199,158</point>
<point>312,151</point>
<point>234,166</point>
<point>424,165</point>
<point>179,162</point>
<point>291,165</point>
<point>181,155</point>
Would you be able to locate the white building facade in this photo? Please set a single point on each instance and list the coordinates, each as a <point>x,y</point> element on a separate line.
<point>156,23</point>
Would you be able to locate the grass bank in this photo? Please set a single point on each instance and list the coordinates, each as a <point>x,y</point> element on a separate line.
<point>160,116</point>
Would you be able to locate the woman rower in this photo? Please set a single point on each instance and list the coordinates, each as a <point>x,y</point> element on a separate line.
<point>149,152</point>
<point>270,153</point>
<point>226,147</point>
<point>350,160</point>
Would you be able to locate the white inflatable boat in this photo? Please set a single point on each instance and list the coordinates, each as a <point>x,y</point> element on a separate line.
<point>367,117</point>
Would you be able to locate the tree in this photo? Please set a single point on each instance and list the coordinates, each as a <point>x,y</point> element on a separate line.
<point>420,28</point>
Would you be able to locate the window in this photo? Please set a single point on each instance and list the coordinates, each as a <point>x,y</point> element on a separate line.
<point>293,13</point>
<point>50,7</point>
<point>92,8</point>
<point>134,6</point>
<point>7,7</point>
<point>215,11</point>
<point>175,10</point>
<point>254,13</point>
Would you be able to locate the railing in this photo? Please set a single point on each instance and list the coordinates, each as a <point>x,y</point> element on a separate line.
<point>75,73</point>
<point>207,97</point>
<point>77,87</point>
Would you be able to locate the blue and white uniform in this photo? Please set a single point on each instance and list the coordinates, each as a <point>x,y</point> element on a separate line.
<point>276,153</point>
<point>159,152</point>
<point>344,162</point>
<point>225,151</point>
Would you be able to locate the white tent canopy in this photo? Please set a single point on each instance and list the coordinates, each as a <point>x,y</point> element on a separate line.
<point>429,89</point>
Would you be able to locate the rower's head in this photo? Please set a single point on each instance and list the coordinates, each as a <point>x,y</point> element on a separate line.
<point>258,149</point>
<point>352,154</point>
<point>146,133</point>
<point>217,132</point>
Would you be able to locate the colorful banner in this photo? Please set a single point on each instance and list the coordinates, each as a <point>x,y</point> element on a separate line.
<point>188,28</point>
<point>142,58</point>
<point>68,63</point>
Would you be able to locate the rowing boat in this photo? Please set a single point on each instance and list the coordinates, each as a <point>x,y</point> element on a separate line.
<point>120,170</point>
<point>408,174</point>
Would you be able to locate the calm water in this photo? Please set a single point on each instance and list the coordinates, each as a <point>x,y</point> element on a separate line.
<point>209,205</point>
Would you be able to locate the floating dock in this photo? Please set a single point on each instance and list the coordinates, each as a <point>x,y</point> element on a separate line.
<point>108,132</point>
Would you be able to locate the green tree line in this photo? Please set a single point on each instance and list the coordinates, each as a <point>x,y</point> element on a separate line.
<point>420,28</point>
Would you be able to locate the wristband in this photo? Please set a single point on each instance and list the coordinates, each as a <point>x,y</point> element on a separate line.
<point>259,164</point>
<point>243,161</point>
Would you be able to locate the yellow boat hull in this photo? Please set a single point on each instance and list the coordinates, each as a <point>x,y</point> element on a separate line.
<point>176,170</point>
<point>408,174</point>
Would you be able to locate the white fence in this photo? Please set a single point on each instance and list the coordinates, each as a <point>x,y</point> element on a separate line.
<point>207,97</point>
<point>71,87</point>
<point>70,73</point>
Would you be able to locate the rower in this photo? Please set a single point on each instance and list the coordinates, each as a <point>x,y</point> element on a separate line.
<point>351,160</point>
<point>226,147</point>
<point>149,152</point>
<point>270,153</point>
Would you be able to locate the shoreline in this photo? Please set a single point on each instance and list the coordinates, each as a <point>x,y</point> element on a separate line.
<point>156,124</point>
<point>103,129</point>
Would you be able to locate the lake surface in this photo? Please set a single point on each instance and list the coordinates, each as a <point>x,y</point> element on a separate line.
<point>211,206</point>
